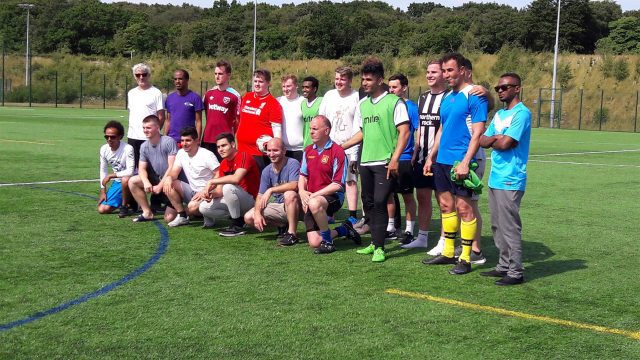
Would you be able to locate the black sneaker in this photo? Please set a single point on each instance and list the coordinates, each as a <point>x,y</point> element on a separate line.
<point>391,235</point>
<point>288,239</point>
<point>325,248</point>
<point>123,212</point>
<point>408,238</point>
<point>281,232</point>
<point>440,260</point>
<point>494,273</point>
<point>352,233</point>
<point>462,267</point>
<point>232,230</point>
<point>508,280</point>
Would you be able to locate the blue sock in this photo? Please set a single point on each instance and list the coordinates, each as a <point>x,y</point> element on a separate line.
<point>326,236</point>
<point>352,220</point>
<point>342,231</point>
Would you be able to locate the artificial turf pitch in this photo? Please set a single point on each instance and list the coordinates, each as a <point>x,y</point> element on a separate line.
<point>222,298</point>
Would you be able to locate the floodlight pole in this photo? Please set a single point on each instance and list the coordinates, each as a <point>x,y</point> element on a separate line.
<point>555,68</point>
<point>255,20</point>
<point>26,65</point>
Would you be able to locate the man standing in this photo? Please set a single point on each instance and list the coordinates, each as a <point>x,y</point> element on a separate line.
<point>142,101</point>
<point>260,118</point>
<point>384,132</point>
<point>429,118</point>
<point>120,157</point>
<point>455,142</point>
<point>292,124</point>
<point>199,165</point>
<point>233,190</point>
<point>222,104</point>
<point>311,107</point>
<point>157,155</point>
<point>509,135</point>
<point>184,107</point>
<point>399,85</point>
<point>321,188</point>
<point>339,106</point>
<point>280,180</point>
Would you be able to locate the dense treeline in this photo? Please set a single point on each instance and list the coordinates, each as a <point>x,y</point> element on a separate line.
<point>316,29</point>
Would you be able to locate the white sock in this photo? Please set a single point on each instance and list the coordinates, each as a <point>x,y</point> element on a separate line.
<point>409,227</point>
<point>391,225</point>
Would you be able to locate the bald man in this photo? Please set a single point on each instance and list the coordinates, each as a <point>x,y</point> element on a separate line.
<point>279,180</point>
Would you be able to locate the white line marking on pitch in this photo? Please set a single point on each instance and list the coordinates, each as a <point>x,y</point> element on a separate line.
<point>588,153</point>
<point>583,163</point>
<point>48,182</point>
<point>26,142</point>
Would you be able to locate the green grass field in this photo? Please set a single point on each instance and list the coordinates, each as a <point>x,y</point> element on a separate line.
<point>245,298</point>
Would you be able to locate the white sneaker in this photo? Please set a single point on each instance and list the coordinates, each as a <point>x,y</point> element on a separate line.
<point>419,242</point>
<point>179,221</point>
<point>359,224</point>
<point>437,250</point>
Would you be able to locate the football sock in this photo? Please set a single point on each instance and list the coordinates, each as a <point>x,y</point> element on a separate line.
<point>409,227</point>
<point>450,226</point>
<point>467,233</point>
<point>422,234</point>
<point>341,230</point>
<point>326,236</point>
<point>183,214</point>
<point>391,225</point>
<point>238,221</point>
<point>353,213</point>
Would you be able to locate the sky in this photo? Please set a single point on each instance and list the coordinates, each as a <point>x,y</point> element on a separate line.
<point>403,4</point>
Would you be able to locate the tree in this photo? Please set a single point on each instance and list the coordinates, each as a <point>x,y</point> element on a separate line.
<point>624,37</point>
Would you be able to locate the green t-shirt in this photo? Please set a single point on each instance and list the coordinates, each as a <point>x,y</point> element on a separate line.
<point>379,133</point>
<point>308,113</point>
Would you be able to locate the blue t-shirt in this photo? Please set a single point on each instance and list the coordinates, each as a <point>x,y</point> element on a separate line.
<point>414,122</point>
<point>458,111</point>
<point>509,167</point>
<point>289,172</point>
<point>182,110</point>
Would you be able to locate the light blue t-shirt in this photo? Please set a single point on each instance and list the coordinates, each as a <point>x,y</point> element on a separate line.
<point>414,122</point>
<point>268,179</point>
<point>509,167</point>
<point>455,110</point>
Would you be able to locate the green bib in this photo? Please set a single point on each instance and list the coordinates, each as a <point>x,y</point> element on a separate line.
<point>379,133</point>
<point>308,113</point>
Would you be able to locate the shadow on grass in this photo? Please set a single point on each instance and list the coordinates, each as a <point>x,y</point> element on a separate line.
<point>543,269</point>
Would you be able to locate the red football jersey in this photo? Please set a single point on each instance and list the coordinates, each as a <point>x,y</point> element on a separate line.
<point>251,182</point>
<point>221,111</point>
<point>256,115</point>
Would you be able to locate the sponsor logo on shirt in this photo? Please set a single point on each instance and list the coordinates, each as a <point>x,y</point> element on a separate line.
<point>217,107</point>
<point>188,104</point>
<point>371,119</point>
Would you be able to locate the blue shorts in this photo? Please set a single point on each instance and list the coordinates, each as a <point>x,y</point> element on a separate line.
<point>442,180</point>
<point>114,195</point>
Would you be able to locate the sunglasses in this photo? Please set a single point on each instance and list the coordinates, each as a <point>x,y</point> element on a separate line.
<point>141,75</point>
<point>504,87</point>
<point>110,137</point>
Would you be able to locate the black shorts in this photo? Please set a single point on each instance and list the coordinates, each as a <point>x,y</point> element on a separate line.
<point>334,205</point>
<point>295,155</point>
<point>404,181</point>
<point>136,150</point>
<point>420,181</point>
<point>213,148</point>
<point>442,177</point>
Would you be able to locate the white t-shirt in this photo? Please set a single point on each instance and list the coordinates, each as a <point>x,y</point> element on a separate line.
<point>121,161</point>
<point>199,169</point>
<point>340,111</point>
<point>292,124</point>
<point>142,103</point>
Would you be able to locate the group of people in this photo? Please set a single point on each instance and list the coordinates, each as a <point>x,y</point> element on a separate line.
<point>262,161</point>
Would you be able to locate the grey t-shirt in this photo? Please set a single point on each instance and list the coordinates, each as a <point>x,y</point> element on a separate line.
<point>156,156</point>
<point>289,172</point>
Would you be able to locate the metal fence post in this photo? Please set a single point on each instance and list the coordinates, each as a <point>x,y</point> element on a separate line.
<point>3,87</point>
<point>601,106</point>
<point>560,108</point>
<point>104,91</point>
<point>30,83</point>
<point>580,110</point>
<point>56,84</point>
<point>635,116</point>
<point>200,86</point>
<point>539,104</point>
<point>80,90</point>
<point>126,92</point>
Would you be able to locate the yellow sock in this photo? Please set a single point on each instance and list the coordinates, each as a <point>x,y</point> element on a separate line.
<point>467,234</point>
<point>450,227</point>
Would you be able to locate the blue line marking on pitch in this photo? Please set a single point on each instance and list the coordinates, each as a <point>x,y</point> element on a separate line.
<point>161,250</point>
